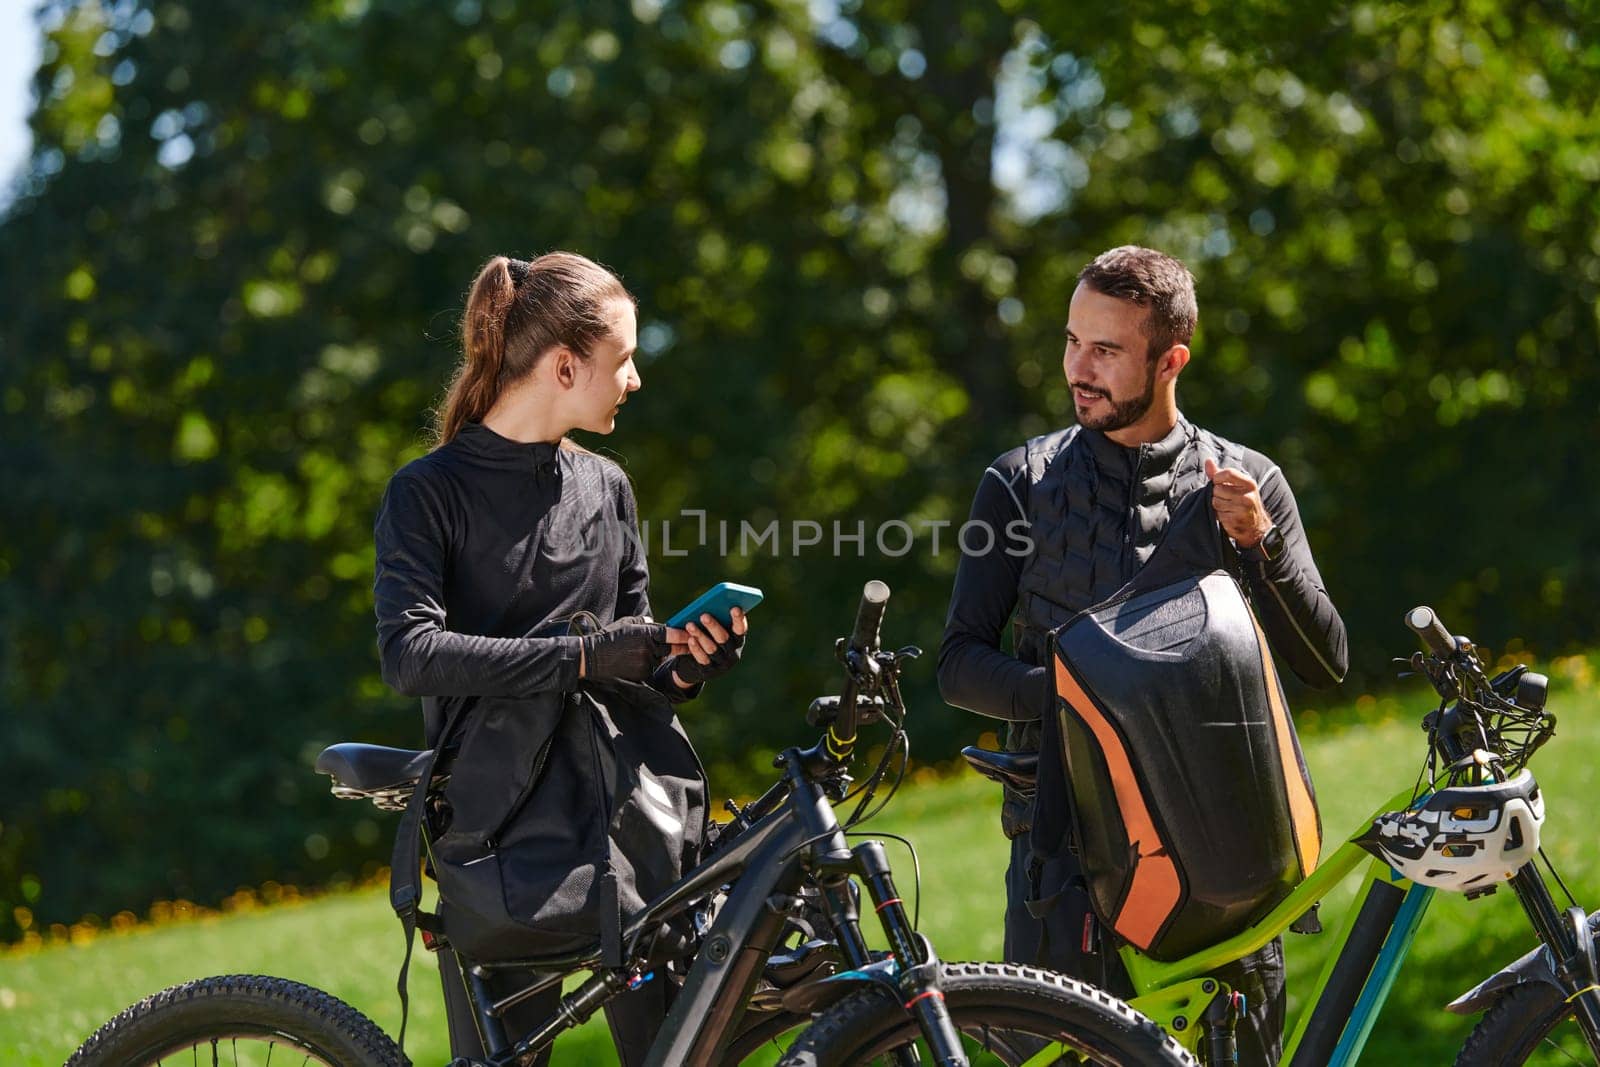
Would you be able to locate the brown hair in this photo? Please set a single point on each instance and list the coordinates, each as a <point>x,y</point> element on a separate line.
<point>516,312</point>
<point>1153,280</point>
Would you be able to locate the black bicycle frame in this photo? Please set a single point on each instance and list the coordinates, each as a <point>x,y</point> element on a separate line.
<point>765,866</point>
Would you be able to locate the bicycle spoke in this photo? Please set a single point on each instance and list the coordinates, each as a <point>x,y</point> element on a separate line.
<point>250,1059</point>
<point>1548,1040</point>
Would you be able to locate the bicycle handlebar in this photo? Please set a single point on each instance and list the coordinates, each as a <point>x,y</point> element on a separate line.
<point>869,616</point>
<point>1424,622</point>
<point>1477,712</point>
<point>863,643</point>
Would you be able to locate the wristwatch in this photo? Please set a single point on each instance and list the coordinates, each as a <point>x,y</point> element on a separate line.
<point>1267,549</point>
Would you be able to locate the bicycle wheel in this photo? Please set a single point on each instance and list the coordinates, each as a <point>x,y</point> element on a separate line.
<point>761,1039</point>
<point>1532,1023</point>
<point>1005,1013</point>
<point>239,1019</point>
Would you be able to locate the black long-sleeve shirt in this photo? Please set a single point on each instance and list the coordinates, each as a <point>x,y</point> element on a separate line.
<point>975,673</point>
<point>485,546</point>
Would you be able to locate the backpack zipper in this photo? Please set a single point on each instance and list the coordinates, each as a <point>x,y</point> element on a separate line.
<point>492,842</point>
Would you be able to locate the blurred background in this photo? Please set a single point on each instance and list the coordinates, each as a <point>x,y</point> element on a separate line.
<point>239,237</point>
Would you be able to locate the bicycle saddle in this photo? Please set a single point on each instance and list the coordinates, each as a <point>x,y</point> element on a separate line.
<point>1016,769</point>
<point>369,768</point>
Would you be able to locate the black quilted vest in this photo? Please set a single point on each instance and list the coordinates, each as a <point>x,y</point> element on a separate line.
<point>1096,510</point>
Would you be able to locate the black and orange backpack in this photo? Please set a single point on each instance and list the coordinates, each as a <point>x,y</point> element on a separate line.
<point>1188,799</point>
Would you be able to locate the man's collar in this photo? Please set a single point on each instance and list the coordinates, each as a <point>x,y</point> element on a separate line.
<point>1151,457</point>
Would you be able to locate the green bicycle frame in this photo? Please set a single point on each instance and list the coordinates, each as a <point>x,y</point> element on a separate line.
<point>1370,947</point>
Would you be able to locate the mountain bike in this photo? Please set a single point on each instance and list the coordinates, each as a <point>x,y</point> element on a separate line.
<point>774,941</point>
<point>1469,824</point>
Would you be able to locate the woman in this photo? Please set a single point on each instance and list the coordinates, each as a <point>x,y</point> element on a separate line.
<point>493,552</point>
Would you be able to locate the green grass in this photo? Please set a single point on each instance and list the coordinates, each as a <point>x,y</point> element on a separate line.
<point>348,943</point>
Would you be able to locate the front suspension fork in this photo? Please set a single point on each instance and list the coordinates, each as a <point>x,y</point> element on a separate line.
<point>838,893</point>
<point>1570,943</point>
<point>919,967</point>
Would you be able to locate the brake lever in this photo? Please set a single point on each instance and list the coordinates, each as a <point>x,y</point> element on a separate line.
<point>1438,672</point>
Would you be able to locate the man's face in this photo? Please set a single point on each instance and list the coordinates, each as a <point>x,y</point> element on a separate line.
<point>1107,360</point>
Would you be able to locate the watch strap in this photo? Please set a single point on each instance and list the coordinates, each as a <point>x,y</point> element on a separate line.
<point>1269,548</point>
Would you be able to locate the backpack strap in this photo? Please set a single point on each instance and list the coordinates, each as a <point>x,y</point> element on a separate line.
<point>1028,642</point>
<point>611,947</point>
<point>405,865</point>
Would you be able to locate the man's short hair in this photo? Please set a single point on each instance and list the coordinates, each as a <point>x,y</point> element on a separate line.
<point>1153,280</point>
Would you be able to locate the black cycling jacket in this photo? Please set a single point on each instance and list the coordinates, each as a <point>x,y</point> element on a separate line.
<point>485,547</point>
<point>977,674</point>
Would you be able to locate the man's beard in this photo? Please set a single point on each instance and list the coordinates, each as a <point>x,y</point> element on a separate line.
<point>1123,413</point>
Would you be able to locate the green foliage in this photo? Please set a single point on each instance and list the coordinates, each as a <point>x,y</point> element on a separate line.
<point>232,276</point>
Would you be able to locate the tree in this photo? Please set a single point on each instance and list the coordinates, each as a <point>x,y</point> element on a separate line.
<point>233,274</point>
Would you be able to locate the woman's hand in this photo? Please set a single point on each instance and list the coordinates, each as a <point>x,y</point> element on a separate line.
<point>630,648</point>
<point>709,649</point>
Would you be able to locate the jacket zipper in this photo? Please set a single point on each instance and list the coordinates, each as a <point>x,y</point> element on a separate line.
<point>1133,514</point>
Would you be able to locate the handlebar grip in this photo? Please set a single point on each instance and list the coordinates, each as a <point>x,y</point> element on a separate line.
<point>869,616</point>
<point>1426,625</point>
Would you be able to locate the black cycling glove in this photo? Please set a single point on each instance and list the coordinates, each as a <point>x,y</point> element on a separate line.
<point>692,671</point>
<point>630,648</point>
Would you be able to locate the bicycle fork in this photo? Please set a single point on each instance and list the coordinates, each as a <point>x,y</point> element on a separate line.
<point>918,967</point>
<point>1571,946</point>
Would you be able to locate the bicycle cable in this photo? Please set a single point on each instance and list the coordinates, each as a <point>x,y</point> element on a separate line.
<point>866,787</point>
<point>916,869</point>
<point>1426,773</point>
<point>899,743</point>
<point>1557,876</point>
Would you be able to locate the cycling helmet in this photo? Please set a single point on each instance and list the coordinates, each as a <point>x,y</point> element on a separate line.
<point>1462,837</point>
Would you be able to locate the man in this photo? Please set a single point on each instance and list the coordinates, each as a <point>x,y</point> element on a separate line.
<point>1095,498</point>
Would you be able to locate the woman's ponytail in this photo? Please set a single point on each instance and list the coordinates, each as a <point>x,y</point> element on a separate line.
<point>483,349</point>
<point>516,311</point>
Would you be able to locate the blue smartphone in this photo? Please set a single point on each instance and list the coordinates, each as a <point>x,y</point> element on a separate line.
<point>719,600</point>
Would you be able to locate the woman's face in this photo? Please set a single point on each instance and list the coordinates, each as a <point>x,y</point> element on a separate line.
<point>608,375</point>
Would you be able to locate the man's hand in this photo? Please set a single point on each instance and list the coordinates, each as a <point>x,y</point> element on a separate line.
<point>1236,498</point>
<point>710,650</point>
